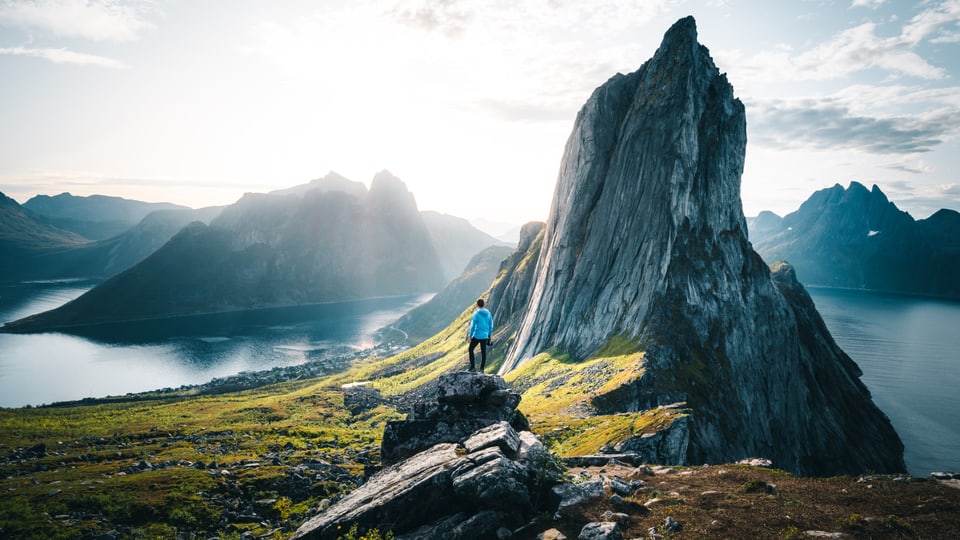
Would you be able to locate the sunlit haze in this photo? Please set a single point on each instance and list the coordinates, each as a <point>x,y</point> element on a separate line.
<point>470,103</point>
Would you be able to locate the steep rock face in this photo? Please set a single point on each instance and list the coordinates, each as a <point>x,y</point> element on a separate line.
<point>647,242</point>
<point>272,250</point>
<point>655,156</point>
<point>857,238</point>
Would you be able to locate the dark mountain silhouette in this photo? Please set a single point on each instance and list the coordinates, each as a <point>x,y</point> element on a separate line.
<point>857,238</point>
<point>271,250</point>
<point>26,236</point>
<point>33,248</point>
<point>106,258</point>
<point>646,252</point>
<point>95,217</point>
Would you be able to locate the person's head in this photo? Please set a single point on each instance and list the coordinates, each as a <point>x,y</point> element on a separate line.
<point>480,302</point>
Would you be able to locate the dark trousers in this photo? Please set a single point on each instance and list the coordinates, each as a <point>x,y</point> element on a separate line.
<point>483,352</point>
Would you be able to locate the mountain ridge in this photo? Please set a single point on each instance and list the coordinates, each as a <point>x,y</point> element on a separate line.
<point>857,238</point>
<point>270,251</point>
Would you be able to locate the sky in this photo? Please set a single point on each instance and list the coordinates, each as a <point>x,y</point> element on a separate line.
<point>470,103</point>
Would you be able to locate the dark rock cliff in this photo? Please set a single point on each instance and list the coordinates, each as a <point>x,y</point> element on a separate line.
<point>857,238</point>
<point>647,242</point>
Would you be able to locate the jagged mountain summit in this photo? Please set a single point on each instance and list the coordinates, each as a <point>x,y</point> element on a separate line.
<point>646,250</point>
<point>857,238</point>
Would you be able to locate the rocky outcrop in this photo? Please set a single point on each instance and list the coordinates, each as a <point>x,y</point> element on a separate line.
<point>466,402</point>
<point>454,479</point>
<point>857,238</point>
<point>647,244</point>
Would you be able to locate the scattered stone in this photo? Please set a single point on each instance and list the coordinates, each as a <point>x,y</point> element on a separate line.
<point>756,462</point>
<point>644,470</point>
<point>625,505</point>
<point>619,517</point>
<point>620,487</point>
<point>606,530</point>
<point>824,534</point>
<point>671,525</point>
<point>601,460</point>
<point>570,498</point>
<point>551,534</point>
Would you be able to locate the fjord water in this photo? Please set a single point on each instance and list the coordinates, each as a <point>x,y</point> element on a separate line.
<point>907,347</point>
<point>909,351</point>
<point>136,357</point>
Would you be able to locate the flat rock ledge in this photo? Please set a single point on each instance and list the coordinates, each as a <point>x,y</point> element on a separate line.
<point>456,468</point>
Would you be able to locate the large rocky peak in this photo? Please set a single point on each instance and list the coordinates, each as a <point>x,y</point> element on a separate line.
<point>654,162</point>
<point>646,242</point>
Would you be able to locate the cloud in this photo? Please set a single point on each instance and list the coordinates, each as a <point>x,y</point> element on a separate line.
<point>830,123</point>
<point>96,20</point>
<point>521,111</point>
<point>931,22</point>
<point>454,17</point>
<point>63,56</point>
<point>444,16</point>
<point>860,48</point>
<point>867,3</point>
<point>907,166</point>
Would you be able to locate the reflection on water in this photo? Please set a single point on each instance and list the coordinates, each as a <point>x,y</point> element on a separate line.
<point>147,355</point>
<point>908,350</point>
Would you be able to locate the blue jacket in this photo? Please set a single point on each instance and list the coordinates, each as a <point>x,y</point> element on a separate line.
<point>481,325</point>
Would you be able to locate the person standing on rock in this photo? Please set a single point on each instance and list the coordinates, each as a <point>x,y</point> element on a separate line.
<point>481,328</point>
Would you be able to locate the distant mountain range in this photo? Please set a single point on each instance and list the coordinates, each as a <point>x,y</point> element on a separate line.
<point>96,217</point>
<point>35,246</point>
<point>329,240</point>
<point>857,238</point>
<point>25,235</point>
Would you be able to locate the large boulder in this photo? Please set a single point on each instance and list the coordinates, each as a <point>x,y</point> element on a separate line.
<point>448,491</point>
<point>466,402</point>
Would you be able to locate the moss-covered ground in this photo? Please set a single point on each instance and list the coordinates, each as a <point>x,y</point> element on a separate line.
<point>189,465</point>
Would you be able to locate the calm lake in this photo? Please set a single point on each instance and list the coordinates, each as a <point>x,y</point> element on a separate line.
<point>136,357</point>
<point>908,349</point>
